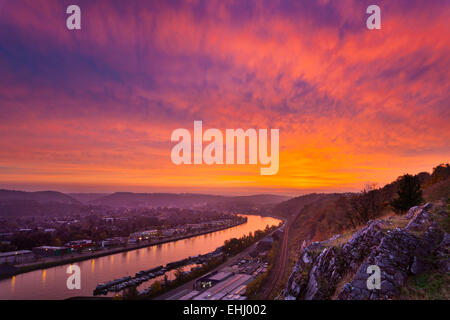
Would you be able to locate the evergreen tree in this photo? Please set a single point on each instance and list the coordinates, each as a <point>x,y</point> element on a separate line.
<point>409,194</point>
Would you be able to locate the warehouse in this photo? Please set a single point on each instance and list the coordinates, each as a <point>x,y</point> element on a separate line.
<point>211,279</point>
<point>16,257</point>
<point>226,287</point>
<point>48,251</point>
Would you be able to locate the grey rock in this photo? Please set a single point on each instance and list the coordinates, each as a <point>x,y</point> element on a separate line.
<point>443,254</point>
<point>419,222</point>
<point>398,253</point>
<point>411,212</point>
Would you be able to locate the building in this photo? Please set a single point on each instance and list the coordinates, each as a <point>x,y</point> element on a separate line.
<point>49,251</point>
<point>78,244</point>
<point>189,296</point>
<point>169,232</point>
<point>116,241</point>
<point>144,235</point>
<point>108,220</point>
<point>211,279</point>
<point>6,235</point>
<point>226,287</point>
<point>16,257</point>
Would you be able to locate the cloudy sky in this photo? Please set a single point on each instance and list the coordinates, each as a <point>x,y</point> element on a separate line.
<point>94,109</point>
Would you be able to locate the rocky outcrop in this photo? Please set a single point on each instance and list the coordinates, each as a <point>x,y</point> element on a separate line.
<point>320,268</point>
<point>443,254</point>
<point>394,257</point>
<point>399,253</point>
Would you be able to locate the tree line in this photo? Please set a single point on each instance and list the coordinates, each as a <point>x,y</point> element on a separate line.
<point>399,196</point>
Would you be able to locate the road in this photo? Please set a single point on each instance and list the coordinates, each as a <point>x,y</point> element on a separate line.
<point>185,288</point>
<point>188,286</point>
<point>280,267</point>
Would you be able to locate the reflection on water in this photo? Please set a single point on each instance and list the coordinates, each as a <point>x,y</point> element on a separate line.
<point>51,283</point>
<point>44,276</point>
<point>13,282</point>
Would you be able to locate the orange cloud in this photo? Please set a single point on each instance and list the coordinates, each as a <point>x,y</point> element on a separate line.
<point>98,107</point>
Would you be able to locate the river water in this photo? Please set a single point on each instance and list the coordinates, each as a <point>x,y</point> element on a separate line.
<point>51,283</point>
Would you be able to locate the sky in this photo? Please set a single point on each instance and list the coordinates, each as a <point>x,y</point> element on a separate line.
<point>92,110</point>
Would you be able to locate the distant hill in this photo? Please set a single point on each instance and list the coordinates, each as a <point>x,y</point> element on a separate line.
<point>261,199</point>
<point>87,197</point>
<point>129,199</point>
<point>39,196</point>
<point>135,200</point>
<point>291,207</point>
<point>248,203</point>
<point>23,208</point>
<point>21,203</point>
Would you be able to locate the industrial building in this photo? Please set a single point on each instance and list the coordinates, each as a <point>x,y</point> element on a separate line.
<point>144,235</point>
<point>16,257</point>
<point>48,251</point>
<point>116,241</point>
<point>228,283</point>
<point>225,288</point>
<point>78,244</point>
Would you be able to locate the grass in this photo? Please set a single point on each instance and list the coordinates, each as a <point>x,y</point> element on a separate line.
<point>437,191</point>
<point>445,224</point>
<point>397,222</point>
<point>427,286</point>
<point>347,278</point>
<point>343,239</point>
<point>444,221</point>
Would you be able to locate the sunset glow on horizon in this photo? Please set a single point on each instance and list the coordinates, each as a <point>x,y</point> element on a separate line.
<point>93,110</point>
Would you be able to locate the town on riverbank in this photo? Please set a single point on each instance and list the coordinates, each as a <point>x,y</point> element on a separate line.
<point>19,261</point>
<point>233,271</point>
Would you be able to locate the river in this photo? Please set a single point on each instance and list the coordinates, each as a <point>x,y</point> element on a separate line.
<point>50,283</point>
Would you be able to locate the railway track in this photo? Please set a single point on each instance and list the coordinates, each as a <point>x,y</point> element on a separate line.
<point>279,267</point>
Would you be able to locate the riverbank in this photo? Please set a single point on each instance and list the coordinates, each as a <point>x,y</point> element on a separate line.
<point>53,262</point>
<point>177,292</point>
<point>181,286</point>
